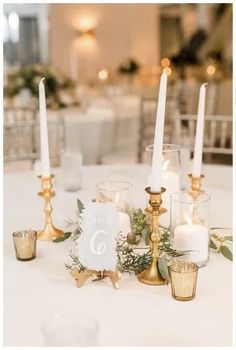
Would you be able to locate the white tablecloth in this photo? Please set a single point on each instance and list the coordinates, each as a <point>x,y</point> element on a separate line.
<point>100,130</point>
<point>136,314</point>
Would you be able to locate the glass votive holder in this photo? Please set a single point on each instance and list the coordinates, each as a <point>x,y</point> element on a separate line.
<point>71,164</point>
<point>118,193</point>
<point>183,279</point>
<point>190,225</point>
<point>25,244</point>
<point>170,177</point>
<point>70,329</point>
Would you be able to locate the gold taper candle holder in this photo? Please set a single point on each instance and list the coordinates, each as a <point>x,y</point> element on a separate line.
<point>152,275</point>
<point>196,184</point>
<point>49,231</point>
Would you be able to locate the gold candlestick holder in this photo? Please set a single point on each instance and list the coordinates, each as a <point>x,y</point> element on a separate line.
<point>195,192</point>
<point>196,185</point>
<point>152,275</point>
<point>49,231</point>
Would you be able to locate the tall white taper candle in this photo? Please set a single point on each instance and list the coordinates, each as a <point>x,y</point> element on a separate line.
<point>45,163</point>
<point>197,161</point>
<point>159,134</point>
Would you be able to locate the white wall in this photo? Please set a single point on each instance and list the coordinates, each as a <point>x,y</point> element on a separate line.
<point>122,31</point>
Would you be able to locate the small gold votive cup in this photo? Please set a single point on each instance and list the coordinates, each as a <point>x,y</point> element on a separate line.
<point>183,279</point>
<point>25,244</point>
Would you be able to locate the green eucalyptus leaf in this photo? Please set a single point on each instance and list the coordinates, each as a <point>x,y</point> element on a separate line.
<point>76,233</point>
<point>163,268</point>
<point>62,238</point>
<point>212,244</point>
<point>133,239</point>
<point>226,252</point>
<point>80,205</point>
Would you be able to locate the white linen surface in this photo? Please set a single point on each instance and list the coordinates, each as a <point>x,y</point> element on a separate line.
<point>136,314</point>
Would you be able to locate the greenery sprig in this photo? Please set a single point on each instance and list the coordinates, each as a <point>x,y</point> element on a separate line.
<point>222,244</point>
<point>133,251</point>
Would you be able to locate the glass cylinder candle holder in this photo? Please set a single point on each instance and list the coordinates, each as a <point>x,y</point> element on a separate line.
<point>25,244</point>
<point>71,163</point>
<point>190,225</point>
<point>183,279</point>
<point>170,175</point>
<point>119,193</point>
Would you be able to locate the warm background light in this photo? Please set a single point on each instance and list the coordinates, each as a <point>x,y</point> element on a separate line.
<point>165,62</point>
<point>211,70</point>
<point>103,74</point>
<point>84,23</point>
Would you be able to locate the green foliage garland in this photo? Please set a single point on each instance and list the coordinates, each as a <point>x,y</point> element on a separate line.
<point>133,257</point>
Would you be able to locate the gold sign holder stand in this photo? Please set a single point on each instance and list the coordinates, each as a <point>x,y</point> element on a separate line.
<point>82,276</point>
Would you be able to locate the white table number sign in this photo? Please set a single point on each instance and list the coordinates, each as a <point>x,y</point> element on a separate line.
<point>96,245</point>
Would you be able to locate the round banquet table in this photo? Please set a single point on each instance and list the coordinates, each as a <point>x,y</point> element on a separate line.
<point>134,315</point>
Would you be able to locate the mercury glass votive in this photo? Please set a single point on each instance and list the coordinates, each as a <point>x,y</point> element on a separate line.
<point>25,244</point>
<point>183,279</point>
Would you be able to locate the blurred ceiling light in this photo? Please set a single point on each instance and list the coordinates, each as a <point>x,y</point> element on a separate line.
<point>211,70</point>
<point>6,36</point>
<point>13,22</point>
<point>165,62</point>
<point>103,74</point>
<point>168,70</point>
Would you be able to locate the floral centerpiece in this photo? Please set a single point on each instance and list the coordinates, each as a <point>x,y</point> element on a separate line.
<point>28,78</point>
<point>129,67</point>
<point>134,253</point>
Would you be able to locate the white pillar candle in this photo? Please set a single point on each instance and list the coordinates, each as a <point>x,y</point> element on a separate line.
<point>171,182</point>
<point>124,224</point>
<point>45,163</point>
<point>158,139</point>
<point>192,237</point>
<point>197,161</point>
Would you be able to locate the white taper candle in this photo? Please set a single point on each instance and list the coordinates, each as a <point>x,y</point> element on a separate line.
<point>45,162</point>
<point>197,160</point>
<point>159,134</point>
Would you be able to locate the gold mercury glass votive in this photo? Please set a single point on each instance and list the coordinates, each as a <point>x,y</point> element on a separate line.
<point>183,278</point>
<point>25,244</point>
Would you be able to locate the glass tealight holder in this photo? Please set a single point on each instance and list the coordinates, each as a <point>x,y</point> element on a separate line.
<point>118,193</point>
<point>183,279</point>
<point>71,164</point>
<point>170,175</point>
<point>25,244</point>
<point>190,225</point>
